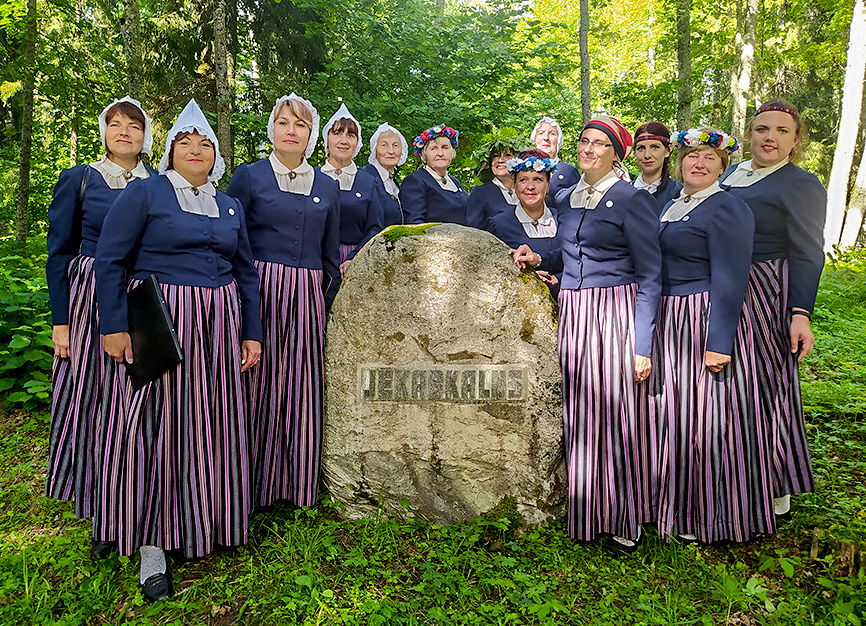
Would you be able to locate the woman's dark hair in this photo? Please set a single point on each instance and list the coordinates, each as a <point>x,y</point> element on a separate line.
<point>178,138</point>
<point>344,124</point>
<point>657,128</point>
<point>127,109</point>
<point>533,152</point>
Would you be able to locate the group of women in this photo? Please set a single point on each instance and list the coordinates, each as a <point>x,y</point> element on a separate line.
<point>645,274</point>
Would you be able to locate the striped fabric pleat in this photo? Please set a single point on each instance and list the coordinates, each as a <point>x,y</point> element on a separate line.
<point>713,475</point>
<point>286,389</point>
<point>78,383</point>
<point>779,378</point>
<point>609,424</point>
<point>176,471</point>
<point>345,251</point>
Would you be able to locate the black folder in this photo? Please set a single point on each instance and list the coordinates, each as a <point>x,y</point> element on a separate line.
<point>155,347</point>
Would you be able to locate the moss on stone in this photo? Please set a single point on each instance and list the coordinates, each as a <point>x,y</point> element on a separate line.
<point>396,232</point>
<point>502,521</point>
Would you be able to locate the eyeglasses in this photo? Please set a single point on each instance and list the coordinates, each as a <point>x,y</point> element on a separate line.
<point>597,145</point>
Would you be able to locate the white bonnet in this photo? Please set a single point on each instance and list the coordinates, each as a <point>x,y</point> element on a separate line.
<point>342,113</point>
<point>554,123</point>
<point>192,119</point>
<point>387,128</point>
<point>314,131</point>
<point>148,135</point>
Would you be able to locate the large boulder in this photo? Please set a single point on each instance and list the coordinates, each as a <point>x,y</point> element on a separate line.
<point>442,380</point>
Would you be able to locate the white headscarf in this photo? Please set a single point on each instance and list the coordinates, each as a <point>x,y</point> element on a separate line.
<point>148,136</point>
<point>387,128</point>
<point>342,113</point>
<point>555,124</point>
<point>314,131</point>
<point>192,119</point>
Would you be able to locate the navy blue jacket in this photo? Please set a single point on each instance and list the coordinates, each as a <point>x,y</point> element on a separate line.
<point>423,200</point>
<point>710,249</point>
<point>393,213</point>
<point>565,176</point>
<point>74,227</point>
<point>790,206</point>
<point>485,202</point>
<point>146,232</point>
<point>671,191</point>
<point>508,228</point>
<point>362,213</point>
<point>614,244</point>
<point>290,228</point>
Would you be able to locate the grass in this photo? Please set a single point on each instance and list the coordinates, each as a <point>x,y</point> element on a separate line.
<point>307,566</point>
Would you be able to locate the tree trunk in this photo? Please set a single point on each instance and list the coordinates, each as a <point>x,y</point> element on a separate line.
<point>849,125</point>
<point>73,100</point>
<point>684,65</point>
<point>854,216</point>
<point>583,37</point>
<point>741,79</point>
<point>222,66</point>
<point>22,215</point>
<point>130,31</point>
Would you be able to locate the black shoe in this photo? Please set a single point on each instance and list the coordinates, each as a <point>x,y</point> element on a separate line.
<point>617,550</point>
<point>784,517</point>
<point>158,587</point>
<point>100,550</point>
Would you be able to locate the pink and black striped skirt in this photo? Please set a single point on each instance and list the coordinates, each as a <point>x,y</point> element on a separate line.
<point>78,382</point>
<point>286,389</point>
<point>176,470</point>
<point>345,250</point>
<point>609,428</point>
<point>714,456</point>
<point>778,375</point>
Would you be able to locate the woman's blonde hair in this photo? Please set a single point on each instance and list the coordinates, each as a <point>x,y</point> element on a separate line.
<point>684,150</point>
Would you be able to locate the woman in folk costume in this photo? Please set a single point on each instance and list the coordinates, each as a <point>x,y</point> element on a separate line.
<point>714,462</point>
<point>789,205</point>
<point>531,221</point>
<point>547,137</point>
<point>431,194</point>
<point>652,152</point>
<point>177,449</point>
<point>388,151</point>
<point>293,215</point>
<point>82,197</point>
<point>611,283</point>
<point>498,194</point>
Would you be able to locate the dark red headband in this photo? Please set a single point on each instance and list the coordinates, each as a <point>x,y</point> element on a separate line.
<point>649,137</point>
<point>778,107</point>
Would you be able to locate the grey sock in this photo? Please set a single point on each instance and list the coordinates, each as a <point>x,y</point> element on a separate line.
<point>152,562</point>
<point>782,505</point>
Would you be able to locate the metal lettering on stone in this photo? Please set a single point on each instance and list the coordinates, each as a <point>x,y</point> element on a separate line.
<point>472,384</point>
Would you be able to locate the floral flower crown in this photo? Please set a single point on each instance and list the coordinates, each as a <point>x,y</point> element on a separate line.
<point>531,164</point>
<point>693,137</point>
<point>432,133</point>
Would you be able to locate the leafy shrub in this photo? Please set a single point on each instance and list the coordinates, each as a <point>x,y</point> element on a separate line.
<point>25,331</point>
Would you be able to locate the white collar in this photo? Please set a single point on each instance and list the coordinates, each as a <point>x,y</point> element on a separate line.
<point>179,182</point>
<point>445,183</point>
<point>640,183</point>
<point>303,169</point>
<point>744,175</point>
<point>602,185</point>
<point>510,195</point>
<point>329,169</point>
<point>115,176</point>
<point>545,219</point>
<point>685,204</point>
<point>383,173</point>
<point>586,196</point>
<point>298,180</point>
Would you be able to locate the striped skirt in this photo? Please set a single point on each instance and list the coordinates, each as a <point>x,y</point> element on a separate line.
<point>713,473</point>
<point>779,378</point>
<point>78,382</point>
<point>176,466</point>
<point>609,428</point>
<point>345,250</point>
<point>286,389</point>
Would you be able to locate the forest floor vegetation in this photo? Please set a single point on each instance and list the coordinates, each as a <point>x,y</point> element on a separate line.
<point>309,566</point>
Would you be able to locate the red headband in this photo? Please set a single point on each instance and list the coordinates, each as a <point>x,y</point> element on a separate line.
<point>778,107</point>
<point>649,137</point>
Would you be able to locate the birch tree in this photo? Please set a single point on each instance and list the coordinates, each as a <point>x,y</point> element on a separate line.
<point>849,126</point>
<point>224,92</point>
<point>583,36</point>
<point>684,64</point>
<point>741,79</point>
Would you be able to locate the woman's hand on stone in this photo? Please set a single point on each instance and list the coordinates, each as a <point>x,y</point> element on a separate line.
<point>524,257</point>
<point>251,352</point>
<point>118,346</point>
<point>60,339</point>
<point>715,361</point>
